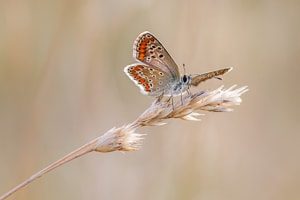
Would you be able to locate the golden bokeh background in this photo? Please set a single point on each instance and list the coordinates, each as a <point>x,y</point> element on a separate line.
<point>62,84</point>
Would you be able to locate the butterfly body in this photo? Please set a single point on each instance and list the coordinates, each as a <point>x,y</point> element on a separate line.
<point>181,86</point>
<point>156,73</point>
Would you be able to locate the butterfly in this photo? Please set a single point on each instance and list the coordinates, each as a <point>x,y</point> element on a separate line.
<point>156,73</point>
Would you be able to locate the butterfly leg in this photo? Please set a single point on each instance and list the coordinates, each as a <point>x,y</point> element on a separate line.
<point>171,97</point>
<point>181,98</point>
<point>188,91</point>
<point>160,96</point>
<point>172,102</point>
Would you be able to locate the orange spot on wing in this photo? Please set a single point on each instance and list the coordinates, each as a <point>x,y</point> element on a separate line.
<point>143,47</point>
<point>147,87</point>
<point>138,68</point>
<point>141,56</point>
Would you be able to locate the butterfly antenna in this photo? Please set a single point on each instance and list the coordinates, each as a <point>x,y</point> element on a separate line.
<point>183,65</point>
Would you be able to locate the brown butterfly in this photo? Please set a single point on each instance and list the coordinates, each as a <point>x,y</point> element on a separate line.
<point>156,73</point>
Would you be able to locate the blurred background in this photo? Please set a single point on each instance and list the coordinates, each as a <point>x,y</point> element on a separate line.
<point>62,84</point>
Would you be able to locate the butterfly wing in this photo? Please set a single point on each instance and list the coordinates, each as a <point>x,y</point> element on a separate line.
<point>149,50</point>
<point>151,80</point>
<point>203,77</point>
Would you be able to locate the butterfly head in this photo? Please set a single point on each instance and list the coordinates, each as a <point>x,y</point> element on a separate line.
<point>186,79</point>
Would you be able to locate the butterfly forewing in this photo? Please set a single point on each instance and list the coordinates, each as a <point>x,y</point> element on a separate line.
<point>149,50</point>
<point>151,80</point>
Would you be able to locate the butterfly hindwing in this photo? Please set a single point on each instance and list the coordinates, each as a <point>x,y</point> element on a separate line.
<point>149,50</point>
<point>151,80</point>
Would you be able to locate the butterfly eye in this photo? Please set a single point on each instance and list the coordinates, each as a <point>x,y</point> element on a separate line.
<point>184,78</point>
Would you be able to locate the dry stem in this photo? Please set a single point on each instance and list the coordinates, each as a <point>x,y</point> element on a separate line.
<point>126,139</point>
